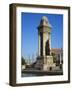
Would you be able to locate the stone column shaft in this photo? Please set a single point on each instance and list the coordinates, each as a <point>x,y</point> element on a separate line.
<point>38,44</point>
<point>60,58</point>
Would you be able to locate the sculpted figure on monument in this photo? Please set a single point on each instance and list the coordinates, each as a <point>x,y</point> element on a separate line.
<point>47,48</point>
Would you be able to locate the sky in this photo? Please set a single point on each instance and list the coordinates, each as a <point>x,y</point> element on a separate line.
<point>29,32</point>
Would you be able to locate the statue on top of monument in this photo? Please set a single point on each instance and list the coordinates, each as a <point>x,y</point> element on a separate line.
<point>45,22</point>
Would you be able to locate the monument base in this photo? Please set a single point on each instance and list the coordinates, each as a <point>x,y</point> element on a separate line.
<point>45,63</point>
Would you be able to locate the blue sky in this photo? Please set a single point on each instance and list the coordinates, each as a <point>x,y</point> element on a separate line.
<point>29,32</point>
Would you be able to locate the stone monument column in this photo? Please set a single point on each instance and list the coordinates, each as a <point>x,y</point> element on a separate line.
<point>44,36</point>
<point>38,44</point>
<point>44,59</point>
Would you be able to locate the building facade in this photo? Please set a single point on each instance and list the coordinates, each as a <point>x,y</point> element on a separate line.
<point>58,53</point>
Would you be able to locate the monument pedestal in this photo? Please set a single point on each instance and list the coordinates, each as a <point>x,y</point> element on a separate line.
<point>45,63</point>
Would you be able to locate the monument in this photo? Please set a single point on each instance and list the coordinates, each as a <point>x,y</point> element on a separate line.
<point>44,58</point>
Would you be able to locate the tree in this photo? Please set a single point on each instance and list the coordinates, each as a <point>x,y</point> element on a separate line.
<point>23,61</point>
